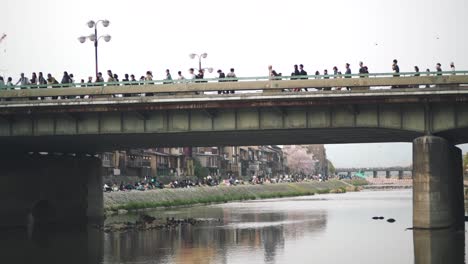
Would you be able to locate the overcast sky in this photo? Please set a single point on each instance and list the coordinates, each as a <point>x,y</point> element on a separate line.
<point>245,34</point>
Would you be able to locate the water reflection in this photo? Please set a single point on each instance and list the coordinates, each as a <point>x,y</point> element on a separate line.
<point>211,242</point>
<point>439,246</point>
<point>52,245</point>
<point>338,229</point>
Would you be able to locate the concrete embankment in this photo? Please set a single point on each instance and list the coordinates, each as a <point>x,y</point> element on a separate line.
<point>203,195</point>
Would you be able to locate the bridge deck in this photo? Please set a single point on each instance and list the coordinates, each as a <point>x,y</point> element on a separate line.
<point>176,116</point>
<point>243,85</point>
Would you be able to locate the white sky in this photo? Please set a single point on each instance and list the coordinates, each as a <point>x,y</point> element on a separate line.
<point>246,35</point>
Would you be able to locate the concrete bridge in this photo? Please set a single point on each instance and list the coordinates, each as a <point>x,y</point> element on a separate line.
<point>188,114</point>
<point>375,171</point>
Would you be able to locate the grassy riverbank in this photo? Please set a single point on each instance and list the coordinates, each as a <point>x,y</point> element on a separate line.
<point>205,195</point>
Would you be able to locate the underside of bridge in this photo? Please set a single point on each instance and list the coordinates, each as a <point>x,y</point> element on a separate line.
<point>45,190</point>
<point>107,142</point>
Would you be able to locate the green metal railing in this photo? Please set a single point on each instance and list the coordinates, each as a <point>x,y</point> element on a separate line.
<point>239,79</point>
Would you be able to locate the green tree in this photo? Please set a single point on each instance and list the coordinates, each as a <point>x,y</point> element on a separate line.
<point>199,170</point>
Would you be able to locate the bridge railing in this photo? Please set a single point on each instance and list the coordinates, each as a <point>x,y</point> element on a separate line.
<point>197,87</point>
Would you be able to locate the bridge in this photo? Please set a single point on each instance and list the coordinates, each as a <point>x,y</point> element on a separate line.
<point>375,171</point>
<point>262,111</point>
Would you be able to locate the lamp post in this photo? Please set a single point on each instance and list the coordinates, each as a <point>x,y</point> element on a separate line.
<point>200,57</point>
<point>95,38</point>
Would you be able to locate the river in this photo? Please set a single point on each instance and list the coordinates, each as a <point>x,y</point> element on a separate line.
<point>330,228</point>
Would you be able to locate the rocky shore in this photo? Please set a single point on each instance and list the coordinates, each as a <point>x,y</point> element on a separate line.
<point>146,222</point>
<point>133,200</point>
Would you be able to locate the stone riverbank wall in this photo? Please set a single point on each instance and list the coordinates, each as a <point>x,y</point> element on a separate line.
<point>202,195</point>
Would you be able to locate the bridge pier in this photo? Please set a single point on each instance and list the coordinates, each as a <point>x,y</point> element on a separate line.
<point>387,175</point>
<point>456,188</point>
<point>400,175</point>
<point>437,184</point>
<point>374,174</point>
<point>40,190</point>
<point>438,246</point>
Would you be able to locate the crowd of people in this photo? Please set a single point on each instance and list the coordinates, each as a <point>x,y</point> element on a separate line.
<point>209,181</point>
<point>68,79</point>
<point>153,183</point>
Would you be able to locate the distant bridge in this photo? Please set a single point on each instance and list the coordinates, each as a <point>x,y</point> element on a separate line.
<point>375,171</point>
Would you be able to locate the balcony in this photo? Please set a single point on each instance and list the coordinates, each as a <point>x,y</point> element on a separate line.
<point>138,163</point>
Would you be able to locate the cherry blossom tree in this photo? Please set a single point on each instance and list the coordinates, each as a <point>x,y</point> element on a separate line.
<point>299,161</point>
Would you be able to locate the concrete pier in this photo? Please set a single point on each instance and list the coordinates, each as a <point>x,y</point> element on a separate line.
<point>400,175</point>
<point>374,174</point>
<point>456,188</point>
<point>387,175</point>
<point>432,160</point>
<point>50,189</point>
<point>438,246</point>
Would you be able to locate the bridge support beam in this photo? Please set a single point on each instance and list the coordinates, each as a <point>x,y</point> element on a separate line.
<point>437,184</point>
<point>438,246</point>
<point>456,188</point>
<point>387,174</point>
<point>40,190</point>
<point>374,174</point>
<point>400,175</point>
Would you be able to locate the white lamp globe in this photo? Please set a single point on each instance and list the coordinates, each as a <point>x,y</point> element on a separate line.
<point>82,39</point>
<point>91,24</point>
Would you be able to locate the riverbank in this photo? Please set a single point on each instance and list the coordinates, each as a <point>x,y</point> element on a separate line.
<point>133,200</point>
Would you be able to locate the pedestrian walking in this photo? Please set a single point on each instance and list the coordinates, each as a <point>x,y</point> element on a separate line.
<point>192,75</point>
<point>416,71</point>
<point>42,81</point>
<point>148,78</point>
<point>125,80</point>
<point>295,73</point>
<point>66,78</point>
<point>303,73</point>
<point>221,77</point>
<point>395,68</point>
<point>9,82</point>
<point>22,80</point>
<point>396,71</point>
<point>326,77</point>
<point>348,73</point>
<point>439,69</point>
<point>231,75</point>
<point>100,79</point>
<point>335,72</point>
<point>33,79</point>
<point>168,77</point>
<point>110,76</point>
<point>362,70</point>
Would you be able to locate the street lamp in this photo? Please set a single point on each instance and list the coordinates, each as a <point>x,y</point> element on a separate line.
<point>95,38</point>
<point>200,56</point>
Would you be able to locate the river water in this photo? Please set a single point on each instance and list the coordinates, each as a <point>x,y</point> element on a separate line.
<point>330,228</point>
